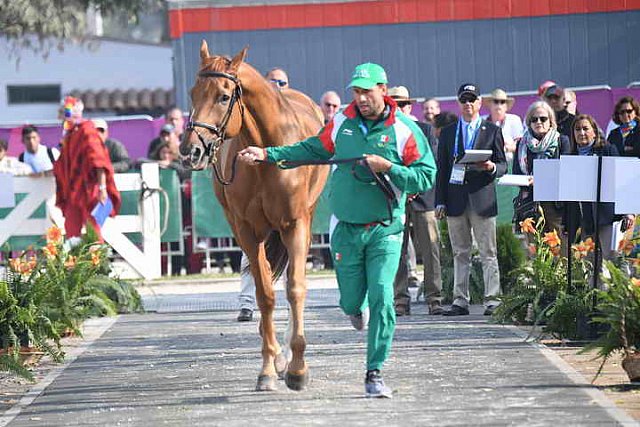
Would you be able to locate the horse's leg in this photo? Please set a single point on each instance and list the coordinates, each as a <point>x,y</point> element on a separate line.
<point>296,239</point>
<point>265,298</point>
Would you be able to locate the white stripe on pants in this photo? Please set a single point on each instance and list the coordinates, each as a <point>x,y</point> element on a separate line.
<point>484,230</point>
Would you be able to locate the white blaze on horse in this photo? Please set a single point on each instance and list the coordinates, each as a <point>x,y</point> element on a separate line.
<point>270,210</point>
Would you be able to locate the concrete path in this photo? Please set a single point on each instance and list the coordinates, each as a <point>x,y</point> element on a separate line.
<point>199,368</point>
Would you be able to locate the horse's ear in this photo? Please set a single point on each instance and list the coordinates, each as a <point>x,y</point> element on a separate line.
<point>239,58</point>
<point>204,50</point>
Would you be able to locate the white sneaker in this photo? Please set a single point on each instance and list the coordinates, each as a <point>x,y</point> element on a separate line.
<point>360,320</point>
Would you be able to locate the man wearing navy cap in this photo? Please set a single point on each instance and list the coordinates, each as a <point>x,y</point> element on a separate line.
<point>466,194</point>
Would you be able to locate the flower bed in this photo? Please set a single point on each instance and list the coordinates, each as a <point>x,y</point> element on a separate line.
<point>48,292</point>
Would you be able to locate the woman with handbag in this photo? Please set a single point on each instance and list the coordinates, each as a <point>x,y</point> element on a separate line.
<point>541,140</point>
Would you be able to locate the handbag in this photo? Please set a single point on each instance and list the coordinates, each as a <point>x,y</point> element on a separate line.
<point>524,207</point>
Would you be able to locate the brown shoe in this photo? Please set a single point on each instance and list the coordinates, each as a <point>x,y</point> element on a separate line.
<point>402,310</point>
<point>435,309</point>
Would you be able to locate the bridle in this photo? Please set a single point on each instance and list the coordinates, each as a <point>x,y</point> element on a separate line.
<point>211,147</point>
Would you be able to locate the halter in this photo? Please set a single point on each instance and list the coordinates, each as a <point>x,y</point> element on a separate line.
<point>211,147</point>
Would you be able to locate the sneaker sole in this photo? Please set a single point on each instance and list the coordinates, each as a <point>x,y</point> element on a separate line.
<point>379,396</point>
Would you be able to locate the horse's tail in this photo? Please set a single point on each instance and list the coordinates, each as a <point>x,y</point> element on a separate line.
<point>276,255</point>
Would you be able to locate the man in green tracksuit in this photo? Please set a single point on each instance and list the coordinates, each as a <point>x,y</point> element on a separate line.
<point>366,242</point>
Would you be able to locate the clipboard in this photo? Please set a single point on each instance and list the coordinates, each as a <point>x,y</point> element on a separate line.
<point>474,156</point>
<point>101,211</point>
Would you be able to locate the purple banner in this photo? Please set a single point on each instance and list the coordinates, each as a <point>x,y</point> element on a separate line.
<point>135,134</point>
<point>597,102</point>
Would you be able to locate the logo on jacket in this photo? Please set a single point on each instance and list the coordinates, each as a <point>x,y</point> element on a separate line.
<point>338,256</point>
<point>348,132</point>
<point>384,138</point>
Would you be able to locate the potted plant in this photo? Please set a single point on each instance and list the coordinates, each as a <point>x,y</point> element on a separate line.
<point>619,310</point>
<point>541,294</point>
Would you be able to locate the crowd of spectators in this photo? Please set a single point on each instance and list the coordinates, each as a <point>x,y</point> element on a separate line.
<point>552,126</point>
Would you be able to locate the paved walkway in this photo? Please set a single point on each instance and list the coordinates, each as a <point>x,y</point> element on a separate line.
<point>199,368</point>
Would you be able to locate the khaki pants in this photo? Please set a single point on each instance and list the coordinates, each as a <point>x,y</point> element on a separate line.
<point>423,227</point>
<point>484,230</point>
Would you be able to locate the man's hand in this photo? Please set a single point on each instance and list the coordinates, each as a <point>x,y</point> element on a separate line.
<point>487,165</point>
<point>102,195</point>
<point>377,163</point>
<point>251,155</point>
<point>441,211</point>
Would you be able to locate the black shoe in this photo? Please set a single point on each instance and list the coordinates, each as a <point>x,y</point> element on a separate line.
<point>456,310</point>
<point>403,310</point>
<point>435,309</point>
<point>245,315</point>
<point>489,310</point>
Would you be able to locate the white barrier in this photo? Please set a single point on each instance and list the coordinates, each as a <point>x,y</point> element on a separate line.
<point>144,262</point>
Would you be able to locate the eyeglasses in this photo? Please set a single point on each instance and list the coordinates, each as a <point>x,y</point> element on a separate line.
<point>499,101</point>
<point>541,119</point>
<point>628,111</point>
<point>467,98</point>
<point>280,83</point>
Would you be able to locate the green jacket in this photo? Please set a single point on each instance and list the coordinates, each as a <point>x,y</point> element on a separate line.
<point>352,196</point>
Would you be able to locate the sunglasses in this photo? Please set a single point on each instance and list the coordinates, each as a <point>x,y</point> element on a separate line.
<point>628,111</point>
<point>541,119</point>
<point>499,101</point>
<point>465,99</point>
<point>280,83</point>
<point>328,104</point>
<point>403,104</point>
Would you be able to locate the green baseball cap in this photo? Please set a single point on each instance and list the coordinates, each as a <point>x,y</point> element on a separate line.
<point>368,75</point>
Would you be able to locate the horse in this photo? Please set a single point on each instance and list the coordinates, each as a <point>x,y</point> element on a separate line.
<point>269,209</point>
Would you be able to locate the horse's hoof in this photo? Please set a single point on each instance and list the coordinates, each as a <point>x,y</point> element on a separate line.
<point>266,383</point>
<point>281,365</point>
<point>296,382</point>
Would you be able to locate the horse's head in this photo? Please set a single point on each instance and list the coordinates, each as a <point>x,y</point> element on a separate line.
<point>216,111</point>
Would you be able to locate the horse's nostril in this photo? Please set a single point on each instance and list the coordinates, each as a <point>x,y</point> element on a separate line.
<point>184,149</point>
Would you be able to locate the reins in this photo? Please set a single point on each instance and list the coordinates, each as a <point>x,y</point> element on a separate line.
<point>380,180</point>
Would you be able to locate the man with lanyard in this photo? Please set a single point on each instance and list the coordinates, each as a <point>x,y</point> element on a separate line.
<point>466,194</point>
<point>365,241</point>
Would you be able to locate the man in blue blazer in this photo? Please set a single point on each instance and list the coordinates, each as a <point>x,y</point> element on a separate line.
<point>466,195</point>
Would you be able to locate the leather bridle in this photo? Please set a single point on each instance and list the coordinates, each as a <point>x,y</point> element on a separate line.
<point>211,147</point>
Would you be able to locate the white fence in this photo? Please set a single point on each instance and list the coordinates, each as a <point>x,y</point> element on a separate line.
<point>142,262</point>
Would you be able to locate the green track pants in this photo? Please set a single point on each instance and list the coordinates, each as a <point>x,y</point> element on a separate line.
<point>366,260</point>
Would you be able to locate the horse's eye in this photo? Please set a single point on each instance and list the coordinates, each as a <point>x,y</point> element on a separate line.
<point>224,98</point>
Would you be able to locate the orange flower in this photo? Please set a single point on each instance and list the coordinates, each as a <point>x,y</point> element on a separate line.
<point>552,239</point>
<point>27,267</point>
<point>70,262</point>
<point>15,264</point>
<point>626,246</point>
<point>527,226</point>
<point>590,244</point>
<point>54,235</point>
<point>532,249</point>
<point>635,282</point>
<point>555,250</point>
<point>50,250</point>
<point>95,257</point>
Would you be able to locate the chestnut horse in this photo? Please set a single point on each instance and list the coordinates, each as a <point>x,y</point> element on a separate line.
<point>233,107</point>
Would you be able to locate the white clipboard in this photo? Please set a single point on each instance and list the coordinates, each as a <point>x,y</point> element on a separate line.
<point>474,156</point>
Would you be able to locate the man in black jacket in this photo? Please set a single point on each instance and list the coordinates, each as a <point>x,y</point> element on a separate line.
<point>423,226</point>
<point>555,97</point>
<point>466,194</point>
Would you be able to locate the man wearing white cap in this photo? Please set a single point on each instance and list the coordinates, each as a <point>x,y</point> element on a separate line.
<point>499,105</point>
<point>117,151</point>
<point>422,227</point>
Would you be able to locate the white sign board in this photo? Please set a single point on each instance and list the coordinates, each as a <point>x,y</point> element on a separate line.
<point>546,176</point>
<point>7,192</point>
<point>578,178</point>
